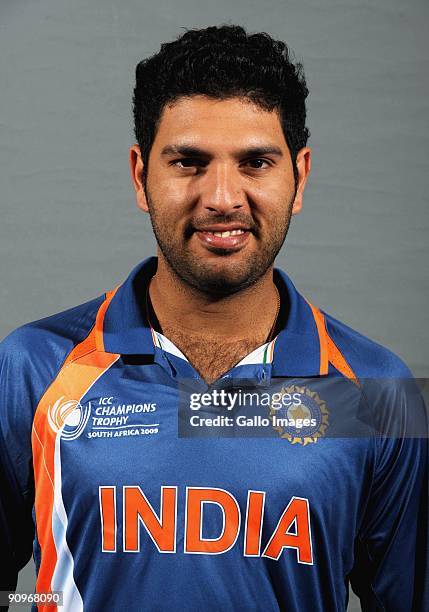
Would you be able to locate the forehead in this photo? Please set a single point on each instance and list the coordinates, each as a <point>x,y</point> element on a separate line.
<point>211,122</point>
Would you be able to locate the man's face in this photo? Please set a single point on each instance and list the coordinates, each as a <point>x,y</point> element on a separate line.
<point>220,190</point>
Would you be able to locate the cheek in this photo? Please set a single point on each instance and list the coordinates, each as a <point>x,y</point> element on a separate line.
<point>169,195</point>
<point>272,206</point>
<point>273,192</point>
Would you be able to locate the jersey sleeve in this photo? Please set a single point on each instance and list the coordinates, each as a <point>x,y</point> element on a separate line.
<point>16,473</point>
<point>391,552</point>
<point>30,358</point>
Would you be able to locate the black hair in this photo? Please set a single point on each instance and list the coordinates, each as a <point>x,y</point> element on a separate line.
<point>222,62</point>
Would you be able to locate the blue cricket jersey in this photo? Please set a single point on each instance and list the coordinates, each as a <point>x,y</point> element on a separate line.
<point>131,502</point>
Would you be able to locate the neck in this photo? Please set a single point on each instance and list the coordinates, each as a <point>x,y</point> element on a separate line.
<point>181,306</point>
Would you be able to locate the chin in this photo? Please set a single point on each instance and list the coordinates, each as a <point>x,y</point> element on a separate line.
<point>225,282</point>
<point>221,275</point>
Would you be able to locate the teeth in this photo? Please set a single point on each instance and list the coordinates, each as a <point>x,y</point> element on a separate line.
<point>226,234</point>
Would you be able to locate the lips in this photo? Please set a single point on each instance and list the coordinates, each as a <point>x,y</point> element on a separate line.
<point>221,237</point>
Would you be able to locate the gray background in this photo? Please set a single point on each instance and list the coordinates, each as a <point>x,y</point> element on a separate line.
<point>69,227</point>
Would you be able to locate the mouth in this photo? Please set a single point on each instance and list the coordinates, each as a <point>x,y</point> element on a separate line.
<point>230,238</point>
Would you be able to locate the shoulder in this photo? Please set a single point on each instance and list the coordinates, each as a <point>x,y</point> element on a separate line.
<point>390,399</point>
<point>366,357</point>
<point>30,358</point>
<point>41,346</point>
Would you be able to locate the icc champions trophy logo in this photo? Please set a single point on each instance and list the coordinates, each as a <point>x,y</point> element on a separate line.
<point>68,417</point>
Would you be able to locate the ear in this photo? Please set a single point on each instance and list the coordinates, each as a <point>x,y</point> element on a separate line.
<point>303,164</point>
<point>136,168</point>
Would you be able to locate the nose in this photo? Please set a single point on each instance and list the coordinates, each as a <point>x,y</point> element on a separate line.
<point>221,190</point>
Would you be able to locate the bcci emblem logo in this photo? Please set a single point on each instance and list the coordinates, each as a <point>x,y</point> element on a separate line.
<point>68,417</point>
<point>302,422</point>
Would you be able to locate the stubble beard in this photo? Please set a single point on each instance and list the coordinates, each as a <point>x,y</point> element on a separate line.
<point>217,277</point>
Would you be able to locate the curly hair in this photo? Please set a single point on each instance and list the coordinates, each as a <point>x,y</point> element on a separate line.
<point>222,62</point>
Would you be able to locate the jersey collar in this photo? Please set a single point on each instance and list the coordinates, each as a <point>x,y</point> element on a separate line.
<point>297,349</point>
<point>126,329</point>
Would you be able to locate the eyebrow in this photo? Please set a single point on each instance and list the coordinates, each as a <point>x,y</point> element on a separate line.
<point>192,151</point>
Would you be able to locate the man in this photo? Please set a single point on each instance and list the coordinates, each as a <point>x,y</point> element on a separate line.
<point>138,501</point>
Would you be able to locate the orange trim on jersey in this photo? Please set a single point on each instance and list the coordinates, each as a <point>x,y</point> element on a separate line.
<point>94,341</point>
<point>80,371</point>
<point>154,338</point>
<point>329,351</point>
<point>99,321</point>
<point>271,355</point>
<point>338,361</point>
<point>43,459</point>
<point>323,344</point>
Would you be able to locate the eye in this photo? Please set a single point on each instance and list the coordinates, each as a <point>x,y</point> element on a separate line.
<point>257,162</point>
<point>188,162</point>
